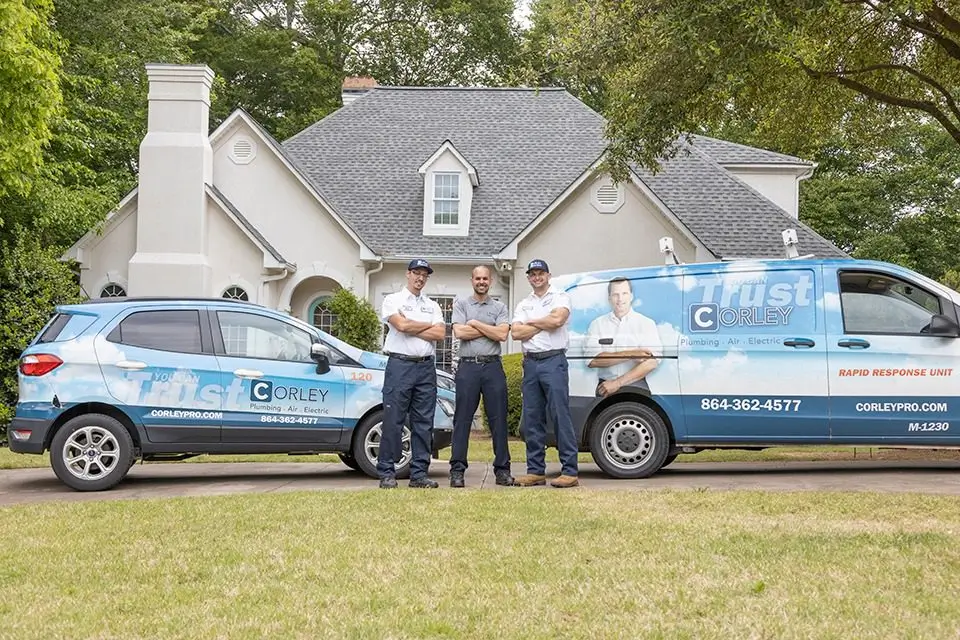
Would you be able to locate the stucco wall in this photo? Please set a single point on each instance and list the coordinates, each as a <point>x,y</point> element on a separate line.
<point>782,189</point>
<point>109,256</point>
<point>235,259</point>
<point>277,204</point>
<point>446,280</point>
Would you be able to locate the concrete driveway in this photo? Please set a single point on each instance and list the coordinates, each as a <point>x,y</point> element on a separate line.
<point>161,480</point>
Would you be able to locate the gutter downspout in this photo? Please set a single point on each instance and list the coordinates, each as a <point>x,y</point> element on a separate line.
<point>263,285</point>
<point>366,278</point>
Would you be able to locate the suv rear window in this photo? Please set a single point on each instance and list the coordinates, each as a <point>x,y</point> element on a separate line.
<point>64,326</point>
<point>164,330</point>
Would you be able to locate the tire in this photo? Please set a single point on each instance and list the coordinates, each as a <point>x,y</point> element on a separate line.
<point>91,452</point>
<point>670,459</point>
<point>366,445</point>
<point>349,460</point>
<point>629,440</point>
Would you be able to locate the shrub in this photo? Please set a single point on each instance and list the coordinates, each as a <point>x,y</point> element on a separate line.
<point>32,283</point>
<point>357,322</point>
<point>513,367</point>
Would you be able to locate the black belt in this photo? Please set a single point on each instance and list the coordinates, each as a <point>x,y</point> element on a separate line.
<point>403,356</point>
<point>480,359</point>
<point>543,355</point>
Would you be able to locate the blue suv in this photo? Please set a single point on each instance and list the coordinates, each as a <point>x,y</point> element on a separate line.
<point>110,381</point>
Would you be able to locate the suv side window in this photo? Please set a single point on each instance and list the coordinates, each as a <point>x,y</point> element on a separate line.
<point>165,330</point>
<point>250,335</point>
<point>879,303</point>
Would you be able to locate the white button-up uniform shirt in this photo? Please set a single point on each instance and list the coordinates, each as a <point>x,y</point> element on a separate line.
<point>419,308</point>
<point>533,308</point>
<point>633,331</point>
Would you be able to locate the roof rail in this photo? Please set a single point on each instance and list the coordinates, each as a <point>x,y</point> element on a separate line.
<point>119,299</point>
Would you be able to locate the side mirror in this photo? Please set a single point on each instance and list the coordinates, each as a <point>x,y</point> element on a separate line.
<point>941,325</point>
<point>321,355</point>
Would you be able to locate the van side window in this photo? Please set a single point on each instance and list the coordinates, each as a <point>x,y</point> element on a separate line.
<point>880,303</point>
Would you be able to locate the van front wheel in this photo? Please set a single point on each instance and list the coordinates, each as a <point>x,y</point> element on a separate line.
<point>629,440</point>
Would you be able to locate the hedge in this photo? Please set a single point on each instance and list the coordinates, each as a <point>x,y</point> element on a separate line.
<point>513,367</point>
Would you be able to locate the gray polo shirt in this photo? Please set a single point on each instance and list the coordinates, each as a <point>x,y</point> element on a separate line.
<point>490,311</point>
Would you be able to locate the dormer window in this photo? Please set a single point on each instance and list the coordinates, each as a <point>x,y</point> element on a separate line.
<point>446,199</point>
<point>448,184</point>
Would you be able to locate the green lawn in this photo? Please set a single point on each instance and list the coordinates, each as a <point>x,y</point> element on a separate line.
<point>481,450</point>
<point>492,564</point>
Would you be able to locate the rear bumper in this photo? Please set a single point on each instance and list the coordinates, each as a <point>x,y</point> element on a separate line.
<point>38,429</point>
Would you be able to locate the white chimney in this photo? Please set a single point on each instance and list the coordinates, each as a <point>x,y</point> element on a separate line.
<point>176,164</point>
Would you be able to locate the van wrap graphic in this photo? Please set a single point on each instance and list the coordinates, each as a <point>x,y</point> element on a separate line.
<point>748,349</point>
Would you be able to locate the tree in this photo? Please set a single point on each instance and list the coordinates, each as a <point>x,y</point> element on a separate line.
<point>799,70</point>
<point>29,93</point>
<point>357,322</point>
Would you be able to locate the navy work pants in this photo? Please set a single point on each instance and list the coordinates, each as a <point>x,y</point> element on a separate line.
<point>473,379</point>
<point>409,388</point>
<point>546,391</point>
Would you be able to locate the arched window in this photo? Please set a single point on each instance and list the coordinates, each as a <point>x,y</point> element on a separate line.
<point>320,315</point>
<point>236,293</point>
<point>113,290</point>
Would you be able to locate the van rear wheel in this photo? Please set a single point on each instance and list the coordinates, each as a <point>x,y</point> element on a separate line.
<point>629,440</point>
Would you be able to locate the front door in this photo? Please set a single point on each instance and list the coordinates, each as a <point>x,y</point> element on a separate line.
<point>159,364</point>
<point>890,380</point>
<point>753,356</point>
<point>274,393</point>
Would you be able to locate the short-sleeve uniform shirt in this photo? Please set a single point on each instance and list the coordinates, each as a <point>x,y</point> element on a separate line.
<point>489,311</point>
<point>419,308</point>
<point>633,331</point>
<point>534,307</point>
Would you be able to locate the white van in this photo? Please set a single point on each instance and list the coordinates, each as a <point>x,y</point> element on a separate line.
<point>679,358</point>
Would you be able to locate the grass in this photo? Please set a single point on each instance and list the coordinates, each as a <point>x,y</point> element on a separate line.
<point>495,564</point>
<point>481,450</point>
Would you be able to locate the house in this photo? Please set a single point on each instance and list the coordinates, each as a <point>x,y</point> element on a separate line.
<point>460,176</point>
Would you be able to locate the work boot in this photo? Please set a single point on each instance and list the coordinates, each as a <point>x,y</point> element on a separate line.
<point>504,479</point>
<point>388,483</point>
<point>423,483</point>
<point>531,480</point>
<point>565,481</point>
<point>456,479</point>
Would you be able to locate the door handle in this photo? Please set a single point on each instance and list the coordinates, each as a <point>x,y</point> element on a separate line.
<point>248,373</point>
<point>132,365</point>
<point>854,343</point>
<point>805,343</point>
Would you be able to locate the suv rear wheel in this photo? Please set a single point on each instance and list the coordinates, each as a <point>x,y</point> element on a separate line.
<point>366,447</point>
<point>629,440</point>
<point>91,452</point>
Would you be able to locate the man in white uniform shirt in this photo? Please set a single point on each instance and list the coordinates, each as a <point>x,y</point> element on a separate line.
<point>415,324</point>
<point>540,323</point>
<point>625,345</point>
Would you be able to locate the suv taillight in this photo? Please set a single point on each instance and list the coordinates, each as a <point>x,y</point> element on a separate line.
<point>39,364</point>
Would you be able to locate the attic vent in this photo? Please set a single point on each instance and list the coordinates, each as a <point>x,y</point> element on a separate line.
<point>242,150</point>
<point>607,197</point>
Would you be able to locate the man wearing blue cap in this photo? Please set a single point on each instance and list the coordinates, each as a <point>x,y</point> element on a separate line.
<point>540,323</point>
<point>415,324</point>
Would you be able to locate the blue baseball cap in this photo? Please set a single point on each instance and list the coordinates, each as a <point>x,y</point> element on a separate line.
<point>419,263</point>
<point>537,264</point>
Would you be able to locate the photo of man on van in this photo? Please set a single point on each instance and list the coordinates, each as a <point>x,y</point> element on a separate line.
<point>624,344</point>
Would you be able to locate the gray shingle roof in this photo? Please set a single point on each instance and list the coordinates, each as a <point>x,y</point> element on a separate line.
<point>528,146</point>
<point>724,152</point>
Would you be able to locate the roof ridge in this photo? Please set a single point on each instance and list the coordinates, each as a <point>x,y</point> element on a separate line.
<point>748,147</point>
<point>387,87</point>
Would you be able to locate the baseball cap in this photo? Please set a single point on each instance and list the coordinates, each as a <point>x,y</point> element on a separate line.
<point>537,264</point>
<point>419,263</point>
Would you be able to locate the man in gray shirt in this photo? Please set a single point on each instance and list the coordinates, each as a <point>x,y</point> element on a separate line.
<point>481,324</point>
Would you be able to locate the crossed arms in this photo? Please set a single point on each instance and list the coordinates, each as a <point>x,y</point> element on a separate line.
<point>422,330</point>
<point>474,329</point>
<point>530,328</point>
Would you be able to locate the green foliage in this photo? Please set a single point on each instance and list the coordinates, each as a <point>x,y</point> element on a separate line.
<point>32,283</point>
<point>513,368</point>
<point>798,72</point>
<point>357,322</point>
<point>29,92</point>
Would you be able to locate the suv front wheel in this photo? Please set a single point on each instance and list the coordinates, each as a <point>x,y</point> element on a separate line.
<point>91,452</point>
<point>366,447</point>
